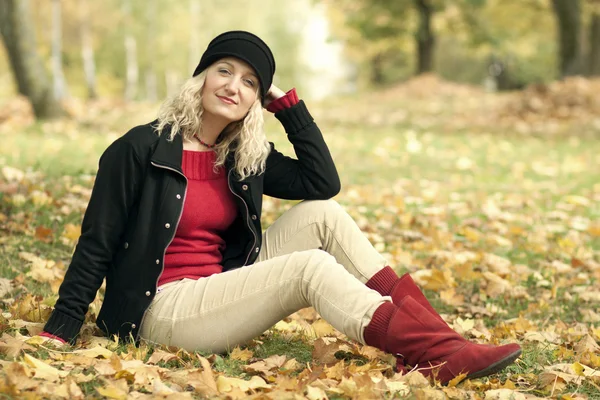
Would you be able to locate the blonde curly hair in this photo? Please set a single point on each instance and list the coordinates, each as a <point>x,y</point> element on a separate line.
<point>183,112</point>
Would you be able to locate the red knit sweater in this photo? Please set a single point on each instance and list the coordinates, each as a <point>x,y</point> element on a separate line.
<point>208,210</point>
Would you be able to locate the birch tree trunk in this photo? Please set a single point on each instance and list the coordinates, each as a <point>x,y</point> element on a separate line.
<point>28,69</point>
<point>59,84</point>
<point>87,50</point>
<point>131,62</point>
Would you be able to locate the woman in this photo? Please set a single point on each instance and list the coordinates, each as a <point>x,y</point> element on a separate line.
<point>173,224</point>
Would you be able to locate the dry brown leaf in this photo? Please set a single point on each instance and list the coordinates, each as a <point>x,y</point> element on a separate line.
<point>315,393</point>
<point>203,381</point>
<point>227,384</point>
<point>587,343</point>
<point>450,297</point>
<point>161,356</point>
<point>95,352</point>
<point>117,390</point>
<point>504,394</point>
<point>12,347</point>
<point>324,349</point>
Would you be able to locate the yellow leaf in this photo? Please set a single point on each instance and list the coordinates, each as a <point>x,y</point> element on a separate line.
<point>95,352</point>
<point>315,393</point>
<point>398,387</point>
<point>112,392</point>
<point>456,380</point>
<point>578,368</point>
<point>322,328</point>
<point>437,279</point>
<point>43,370</point>
<point>71,233</point>
<point>227,384</point>
<point>242,355</point>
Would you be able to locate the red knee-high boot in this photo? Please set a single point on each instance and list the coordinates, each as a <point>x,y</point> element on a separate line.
<point>387,283</point>
<point>416,336</point>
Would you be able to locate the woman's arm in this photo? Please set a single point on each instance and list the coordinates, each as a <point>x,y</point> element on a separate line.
<point>313,175</point>
<point>115,191</point>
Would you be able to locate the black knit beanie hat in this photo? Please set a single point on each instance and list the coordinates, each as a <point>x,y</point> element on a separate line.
<point>245,46</point>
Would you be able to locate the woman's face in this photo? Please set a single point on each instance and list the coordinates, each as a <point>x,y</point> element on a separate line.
<point>230,89</point>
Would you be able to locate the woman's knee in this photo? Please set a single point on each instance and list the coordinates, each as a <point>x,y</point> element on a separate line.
<point>313,258</point>
<point>316,263</point>
<point>321,207</point>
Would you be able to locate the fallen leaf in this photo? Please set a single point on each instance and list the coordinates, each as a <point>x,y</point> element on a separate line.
<point>161,356</point>
<point>242,355</point>
<point>43,370</point>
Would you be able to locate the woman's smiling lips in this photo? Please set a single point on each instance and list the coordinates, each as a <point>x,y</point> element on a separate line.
<point>226,100</point>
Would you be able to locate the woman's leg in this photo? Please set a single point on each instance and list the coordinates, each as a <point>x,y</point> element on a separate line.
<point>323,224</point>
<point>224,310</point>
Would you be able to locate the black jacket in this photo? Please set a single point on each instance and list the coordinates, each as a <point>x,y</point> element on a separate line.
<point>135,207</point>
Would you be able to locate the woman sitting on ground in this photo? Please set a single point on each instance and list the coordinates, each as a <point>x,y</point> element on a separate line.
<point>173,224</point>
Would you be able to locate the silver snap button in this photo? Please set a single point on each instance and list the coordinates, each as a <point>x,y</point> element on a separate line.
<point>178,197</point>
<point>157,261</point>
<point>254,217</point>
<point>126,245</point>
<point>133,326</point>
<point>244,187</point>
<point>148,293</point>
<point>257,249</point>
<point>167,225</point>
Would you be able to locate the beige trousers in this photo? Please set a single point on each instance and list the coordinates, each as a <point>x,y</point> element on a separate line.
<point>313,255</point>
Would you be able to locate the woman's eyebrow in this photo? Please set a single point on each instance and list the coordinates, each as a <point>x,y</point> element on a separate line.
<point>250,72</point>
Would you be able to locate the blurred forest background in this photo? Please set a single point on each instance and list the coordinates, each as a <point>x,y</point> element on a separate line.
<point>141,50</point>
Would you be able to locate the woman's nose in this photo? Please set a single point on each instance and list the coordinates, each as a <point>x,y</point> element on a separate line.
<point>233,85</point>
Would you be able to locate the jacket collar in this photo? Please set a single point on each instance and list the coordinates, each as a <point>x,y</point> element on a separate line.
<point>168,153</point>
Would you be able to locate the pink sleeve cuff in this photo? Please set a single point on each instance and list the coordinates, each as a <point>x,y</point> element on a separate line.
<point>51,336</point>
<point>290,99</point>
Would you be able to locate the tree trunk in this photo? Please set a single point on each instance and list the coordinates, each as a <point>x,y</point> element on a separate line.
<point>194,50</point>
<point>59,83</point>
<point>425,37</point>
<point>87,50</point>
<point>594,59</point>
<point>568,18</point>
<point>377,77</point>
<point>132,69</point>
<point>19,39</point>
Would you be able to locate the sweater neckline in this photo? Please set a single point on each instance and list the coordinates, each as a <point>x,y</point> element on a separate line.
<point>199,165</point>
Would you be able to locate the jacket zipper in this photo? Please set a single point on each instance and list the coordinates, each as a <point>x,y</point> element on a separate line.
<point>172,237</point>
<point>247,216</point>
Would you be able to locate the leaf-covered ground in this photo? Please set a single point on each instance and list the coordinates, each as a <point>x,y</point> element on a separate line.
<point>499,224</point>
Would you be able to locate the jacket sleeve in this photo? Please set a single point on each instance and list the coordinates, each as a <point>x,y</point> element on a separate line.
<point>313,175</point>
<point>115,191</point>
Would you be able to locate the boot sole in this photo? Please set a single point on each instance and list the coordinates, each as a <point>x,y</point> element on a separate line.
<point>496,367</point>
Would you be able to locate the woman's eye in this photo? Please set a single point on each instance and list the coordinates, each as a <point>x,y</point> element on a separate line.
<point>250,82</point>
<point>224,71</point>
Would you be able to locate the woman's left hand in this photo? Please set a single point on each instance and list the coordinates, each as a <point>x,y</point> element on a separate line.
<point>273,94</point>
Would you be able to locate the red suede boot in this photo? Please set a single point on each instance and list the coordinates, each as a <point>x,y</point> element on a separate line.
<point>387,283</point>
<point>423,341</point>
